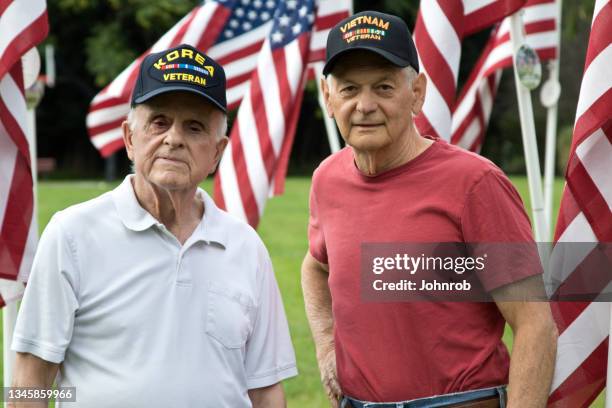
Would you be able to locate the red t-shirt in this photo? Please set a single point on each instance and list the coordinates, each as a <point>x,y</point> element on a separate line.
<point>405,350</point>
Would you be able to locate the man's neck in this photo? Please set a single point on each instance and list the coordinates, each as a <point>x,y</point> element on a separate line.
<point>179,210</point>
<point>372,163</point>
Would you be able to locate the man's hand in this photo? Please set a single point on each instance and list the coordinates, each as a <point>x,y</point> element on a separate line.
<point>535,344</point>
<point>319,312</point>
<point>327,367</point>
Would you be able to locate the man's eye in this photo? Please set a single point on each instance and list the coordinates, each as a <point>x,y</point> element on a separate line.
<point>385,87</point>
<point>348,89</point>
<point>195,127</point>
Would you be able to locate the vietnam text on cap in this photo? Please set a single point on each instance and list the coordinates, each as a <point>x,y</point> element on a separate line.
<point>383,34</point>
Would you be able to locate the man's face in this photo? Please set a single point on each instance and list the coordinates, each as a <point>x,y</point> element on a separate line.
<point>371,100</point>
<point>176,140</point>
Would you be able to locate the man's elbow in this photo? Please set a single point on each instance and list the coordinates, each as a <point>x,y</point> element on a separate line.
<point>544,331</point>
<point>272,396</point>
<point>33,371</point>
<point>552,333</point>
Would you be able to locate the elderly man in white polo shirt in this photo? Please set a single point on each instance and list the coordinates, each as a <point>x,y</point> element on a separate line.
<point>149,295</point>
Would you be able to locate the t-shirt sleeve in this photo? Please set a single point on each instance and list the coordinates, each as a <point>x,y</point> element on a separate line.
<point>270,357</point>
<point>316,239</point>
<point>46,316</point>
<point>494,221</point>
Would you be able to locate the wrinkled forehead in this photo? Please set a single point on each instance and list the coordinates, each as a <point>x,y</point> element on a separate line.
<point>179,103</point>
<point>362,62</point>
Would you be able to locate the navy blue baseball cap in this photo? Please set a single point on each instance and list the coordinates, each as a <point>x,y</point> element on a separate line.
<point>383,34</point>
<point>182,68</point>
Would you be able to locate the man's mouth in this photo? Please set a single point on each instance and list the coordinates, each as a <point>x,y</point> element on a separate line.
<point>170,159</point>
<point>367,125</point>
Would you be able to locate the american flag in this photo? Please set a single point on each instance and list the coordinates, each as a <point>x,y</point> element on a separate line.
<point>586,216</point>
<point>23,24</point>
<point>232,32</point>
<point>474,104</point>
<point>253,163</point>
<point>440,27</point>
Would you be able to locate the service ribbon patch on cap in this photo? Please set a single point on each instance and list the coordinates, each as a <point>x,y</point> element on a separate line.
<point>376,33</point>
<point>199,72</point>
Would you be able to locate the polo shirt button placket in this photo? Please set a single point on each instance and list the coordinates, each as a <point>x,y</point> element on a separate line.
<point>182,273</point>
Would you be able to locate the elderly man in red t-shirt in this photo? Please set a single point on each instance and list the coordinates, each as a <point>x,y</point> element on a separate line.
<point>393,185</point>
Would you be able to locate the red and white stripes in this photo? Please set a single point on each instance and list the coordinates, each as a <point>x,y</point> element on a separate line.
<point>110,107</point>
<point>586,216</point>
<point>437,34</point>
<point>439,30</point>
<point>23,24</point>
<point>201,28</point>
<point>473,108</point>
<point>263,131</point>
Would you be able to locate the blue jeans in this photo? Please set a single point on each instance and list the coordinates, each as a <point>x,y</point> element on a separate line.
<point>437,401</point>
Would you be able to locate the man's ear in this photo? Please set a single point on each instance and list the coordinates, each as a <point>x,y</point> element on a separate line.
<point>325,91</point>
<point>219,149</point>
<point>127,140</point>
<point>419,88</point>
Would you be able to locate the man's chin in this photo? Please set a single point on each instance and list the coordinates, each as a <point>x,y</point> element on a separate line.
<point>171,181</point>
<point>367,145</point>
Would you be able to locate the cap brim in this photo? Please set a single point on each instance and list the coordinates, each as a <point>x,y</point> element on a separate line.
<point>175,88</point>
<point>392,58</point>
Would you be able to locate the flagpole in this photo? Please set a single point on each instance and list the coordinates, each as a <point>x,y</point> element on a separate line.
<point>9,316</point>
<point>552,105</point>
<point>33,93</point>
<point>530,146</point>
<point>9,313</point>
<point>330,125</point>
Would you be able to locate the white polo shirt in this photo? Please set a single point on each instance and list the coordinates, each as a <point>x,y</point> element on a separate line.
<point>137,320</point>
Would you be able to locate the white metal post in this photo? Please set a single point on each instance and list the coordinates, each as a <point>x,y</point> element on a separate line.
<point>530,146</point>
<point>551,130</point>
<point>9,316</point>
<point>9,313</point>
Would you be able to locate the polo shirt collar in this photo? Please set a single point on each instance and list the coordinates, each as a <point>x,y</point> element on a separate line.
<point>211,228</point>
<point>136,218</point>
<point>132,215</point>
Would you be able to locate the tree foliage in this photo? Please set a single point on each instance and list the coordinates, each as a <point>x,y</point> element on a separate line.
<point>120,30</point>
<point>96,39</point>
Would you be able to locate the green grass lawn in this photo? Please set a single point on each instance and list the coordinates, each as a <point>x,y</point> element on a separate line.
<point>283,229</point>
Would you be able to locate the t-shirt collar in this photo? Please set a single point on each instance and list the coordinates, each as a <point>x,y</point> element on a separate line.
<point>136,218</point>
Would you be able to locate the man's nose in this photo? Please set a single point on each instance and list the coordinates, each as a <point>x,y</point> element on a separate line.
<point>174,136</point>
<point>366,103</point>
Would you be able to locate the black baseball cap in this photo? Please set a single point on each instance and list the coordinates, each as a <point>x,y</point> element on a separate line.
<point>383,34</point>
<point>182,68</point>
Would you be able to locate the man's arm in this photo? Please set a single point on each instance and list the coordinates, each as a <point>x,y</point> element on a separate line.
<point>272,396</point>
<point>317,300</point>
<point>32,371</point>
<point>534,351</point>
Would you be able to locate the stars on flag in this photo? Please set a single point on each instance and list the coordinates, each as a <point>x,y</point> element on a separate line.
<point>247,15</point>
<point>293,17</point>
<point>277,36</point>
<point>284,20</point>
